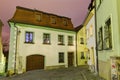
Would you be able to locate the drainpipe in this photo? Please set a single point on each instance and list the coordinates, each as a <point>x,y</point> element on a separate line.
<point>76,51</point>
<point>16,46</point>
<point>96,39</point>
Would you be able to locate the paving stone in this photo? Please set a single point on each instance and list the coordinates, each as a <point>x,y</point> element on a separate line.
<point>72,73</point>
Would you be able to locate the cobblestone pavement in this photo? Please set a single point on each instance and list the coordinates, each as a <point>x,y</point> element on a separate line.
<point>73,73</point>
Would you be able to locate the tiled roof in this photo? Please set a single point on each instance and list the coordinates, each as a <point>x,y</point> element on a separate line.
<point>78,28</point>
<point>29,16</point>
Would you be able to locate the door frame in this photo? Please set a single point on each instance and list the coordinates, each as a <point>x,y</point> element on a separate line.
<point>72,59</point>
<point>35,55</point>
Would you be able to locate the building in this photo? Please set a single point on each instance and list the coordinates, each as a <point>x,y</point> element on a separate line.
<point>2,58</point>
<point>89,22</point>
<point>40,40</point>
<point>108,34</point>
<point>81,45</point>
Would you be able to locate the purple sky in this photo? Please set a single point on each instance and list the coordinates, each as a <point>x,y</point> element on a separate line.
<point>74,9</point>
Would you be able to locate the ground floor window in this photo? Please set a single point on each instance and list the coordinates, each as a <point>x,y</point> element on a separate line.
<point>61,57</point>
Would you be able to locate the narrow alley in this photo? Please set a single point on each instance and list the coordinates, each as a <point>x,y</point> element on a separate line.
<point>72,73</point>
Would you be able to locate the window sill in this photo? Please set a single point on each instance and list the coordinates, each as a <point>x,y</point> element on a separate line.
<point>47,43</point>
<point>29,42</point>
<point>70,45</point>
<point>82,43</point>
<point>61,44</point>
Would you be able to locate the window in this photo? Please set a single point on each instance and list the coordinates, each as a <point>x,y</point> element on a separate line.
<point>81,41</point>
<point>87,33</point>
<point>46,38</point>
<point>91,30</point>
<point>61,57</point>
<point>65,22</point>
<point>70,40</point>
<point>38,17</point>
<point>53,20</point>
<point>100,39</point>
<point>29,37</point>
<point>60,40</point>
<point>82,55</point>
<point>107,35</point>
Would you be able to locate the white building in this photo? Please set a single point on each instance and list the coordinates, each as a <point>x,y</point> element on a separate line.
<point>91,36</point>
<point>40,40</point>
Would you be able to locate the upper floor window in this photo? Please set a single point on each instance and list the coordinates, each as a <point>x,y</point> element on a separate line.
<point>107,35</point>
<point>65,22</point>
<point>70,40</point>
<point>46,38</point>
<point>61,57</point>
<point>87,33</point>
<point>53,20</point>
<point>38,17</point>
<point>60,40</point>
<point>91,30</point>
<point>29,37</point>
<point>100,39</point>
<point>81,40</point>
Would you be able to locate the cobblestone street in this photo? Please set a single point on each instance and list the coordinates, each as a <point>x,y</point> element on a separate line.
<point>73,73</point>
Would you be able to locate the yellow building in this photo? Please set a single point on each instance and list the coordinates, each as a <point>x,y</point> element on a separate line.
<point>81,45</point>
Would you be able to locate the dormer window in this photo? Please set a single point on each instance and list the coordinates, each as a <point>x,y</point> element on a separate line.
<point>38,17</point>
<point>53,20</point>
<point>65,22</point>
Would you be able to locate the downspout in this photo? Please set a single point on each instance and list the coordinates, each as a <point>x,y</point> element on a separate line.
<point>96,39</point>
<point>15,71</point>
<point>76,51</point>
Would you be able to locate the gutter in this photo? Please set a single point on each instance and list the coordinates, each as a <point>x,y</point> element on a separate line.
<point>76,51</point>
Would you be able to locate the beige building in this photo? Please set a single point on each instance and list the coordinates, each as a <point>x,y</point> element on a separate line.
<point>91,36</point>
<point>40,40</point>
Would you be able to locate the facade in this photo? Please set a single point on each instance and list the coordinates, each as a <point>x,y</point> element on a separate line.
<point>2,58</point>
<point>108,34</point>
<point>91,41</point>
<point>81,45</point>
<point>40,40</point>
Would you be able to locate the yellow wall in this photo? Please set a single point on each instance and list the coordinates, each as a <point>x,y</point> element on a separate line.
<point>81,47</point>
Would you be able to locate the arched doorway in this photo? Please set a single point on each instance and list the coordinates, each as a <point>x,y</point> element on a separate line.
<point>34,62</point>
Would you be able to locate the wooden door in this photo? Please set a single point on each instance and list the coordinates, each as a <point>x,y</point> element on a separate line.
<point>35,62</point>
<point>70,59</point>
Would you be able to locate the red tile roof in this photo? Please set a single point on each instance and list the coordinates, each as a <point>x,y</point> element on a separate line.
<point>28,16</point>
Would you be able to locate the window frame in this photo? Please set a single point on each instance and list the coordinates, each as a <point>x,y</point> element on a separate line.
<point>53,20</point>
<point>107,35</point>
<point>61,40</point>
<point>81,40</point>
<point>70,40</point>
<point>38,17</point>
<point>29,33</point>
<point>65,22</point>
<point>61,58</point>
<point>100,39</point>
<point>46,37</point>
